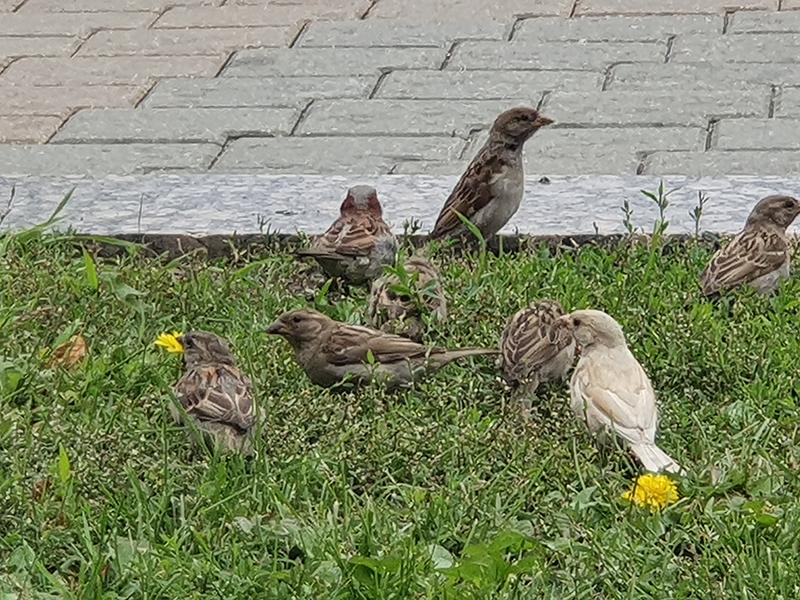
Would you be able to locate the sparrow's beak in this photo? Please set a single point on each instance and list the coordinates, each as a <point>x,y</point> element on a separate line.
<point>565,321</point>
<point>542,121</point>
<point>277,328</point>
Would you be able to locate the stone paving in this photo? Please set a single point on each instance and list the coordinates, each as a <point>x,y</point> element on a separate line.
<point>372,87</point>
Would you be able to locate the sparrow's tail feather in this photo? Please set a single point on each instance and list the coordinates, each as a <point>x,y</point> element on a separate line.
<point>439,360</point>
<point>654,459</point>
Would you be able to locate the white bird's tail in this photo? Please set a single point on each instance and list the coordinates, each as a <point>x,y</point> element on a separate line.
<point>654,459</point>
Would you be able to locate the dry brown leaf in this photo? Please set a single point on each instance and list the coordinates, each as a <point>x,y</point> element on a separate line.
<point>70,353</point>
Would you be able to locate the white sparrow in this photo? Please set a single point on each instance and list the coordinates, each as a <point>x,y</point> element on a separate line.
<point>491,189</point>
<point>397,302</point>
<point>329,351</point>
<point>611,391</point>
<point>215,394</point>
<point>359,242</point>
<point>535,348</point>
<point>759,255</point>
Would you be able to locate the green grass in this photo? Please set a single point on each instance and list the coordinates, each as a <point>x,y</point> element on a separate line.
<point>441,491</point>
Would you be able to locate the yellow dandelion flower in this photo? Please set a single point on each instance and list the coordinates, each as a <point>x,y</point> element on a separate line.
<point>655,492</point>
<point>170,342</point>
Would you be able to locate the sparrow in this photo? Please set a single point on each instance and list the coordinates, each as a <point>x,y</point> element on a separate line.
<point>535,348</point>
<point>759,255</point>
<point>329,351</point>
<point>359,242</point>
<point>490,190</point>
<point>214,393</point>
<point>611,391</point>
<point>398,301</point>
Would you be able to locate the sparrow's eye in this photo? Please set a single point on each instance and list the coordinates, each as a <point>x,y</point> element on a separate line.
<point>296,319</point>
<point>576,322</point>
<point>790,203</point>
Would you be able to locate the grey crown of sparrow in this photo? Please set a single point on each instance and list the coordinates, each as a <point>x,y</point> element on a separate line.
<point>611,391</point>
<point>759,255</point>
<point>359,242</point>
<point>214,393</point>
<point>535,348</point>
<point>401,312</point>
<point>331,351</point>
<point>491,189</point>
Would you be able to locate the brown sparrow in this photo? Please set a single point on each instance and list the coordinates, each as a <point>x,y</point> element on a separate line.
<point>396,304</point>
<point>759,255</point>
<point>359,242</point>
<point>214,393</point>
<point>611,391</point>
<point>491,189</point>
<point>535,348</point>
<point>329,351</point>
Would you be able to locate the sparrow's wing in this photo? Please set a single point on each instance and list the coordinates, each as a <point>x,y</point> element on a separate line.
<point>355,235</point>
<point>751,254</point>
<point>619,394</point>
<point>351,344</point>
<point>530,341</point>
<point>472,192</point>
<point>221,394</point>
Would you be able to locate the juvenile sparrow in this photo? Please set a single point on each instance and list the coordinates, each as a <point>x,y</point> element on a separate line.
<point>396,304</point>
<point>215,394</point>
<point>491,189</point>
<point>329,351</point>
<point>535,348</point>
<point>759,255</point>
<point>359,242</point>
<point>611,391</point>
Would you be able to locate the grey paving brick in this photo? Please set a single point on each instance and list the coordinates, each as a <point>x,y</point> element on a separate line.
<point>615,28</point>
<point>360,155</point>
<point>37,46</point>
<point>398,33</point>
<point>251,92</point>
<point>653,107</point>
<point>601,150</point>
<point>553,55</point>
<point>724,162</point>
<point>673,77</point>
<point>403,117</point>
<point>758,134</point>
<point>764,22</point>
<point>744,48</point>
<point>95,160</point>
<point>165,125</point>
<point>788,102</point>
<point>296,62</point>
<point>483,85</point>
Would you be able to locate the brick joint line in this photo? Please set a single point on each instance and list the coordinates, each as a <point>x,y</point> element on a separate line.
<point>514,27</point>
<point>300,32</point>
<point>449,55</point>
<point>381,77</point>
<point>727,21</point>
<point>711,132</point>
<point>369,8</point>
<point>774,90</point>
<point>301,117</point>
<point>670,46</point>
<point>574,8</point>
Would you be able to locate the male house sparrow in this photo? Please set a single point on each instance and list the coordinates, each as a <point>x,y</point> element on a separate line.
<point>359,242</point>
<point>328,351</point>
<point>535,348</point>
<point>400,311</point>
<point>610,389</point>
<point>491,189</point>
<point>215,394</point>
<point>759,255</point>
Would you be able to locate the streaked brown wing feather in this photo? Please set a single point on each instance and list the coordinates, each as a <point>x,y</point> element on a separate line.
<point>349,344</point>
<point>220,394</point>
<point>472,192</point>
<point>529,341</point>
<point>355,235</point>
<point>751,254</point>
